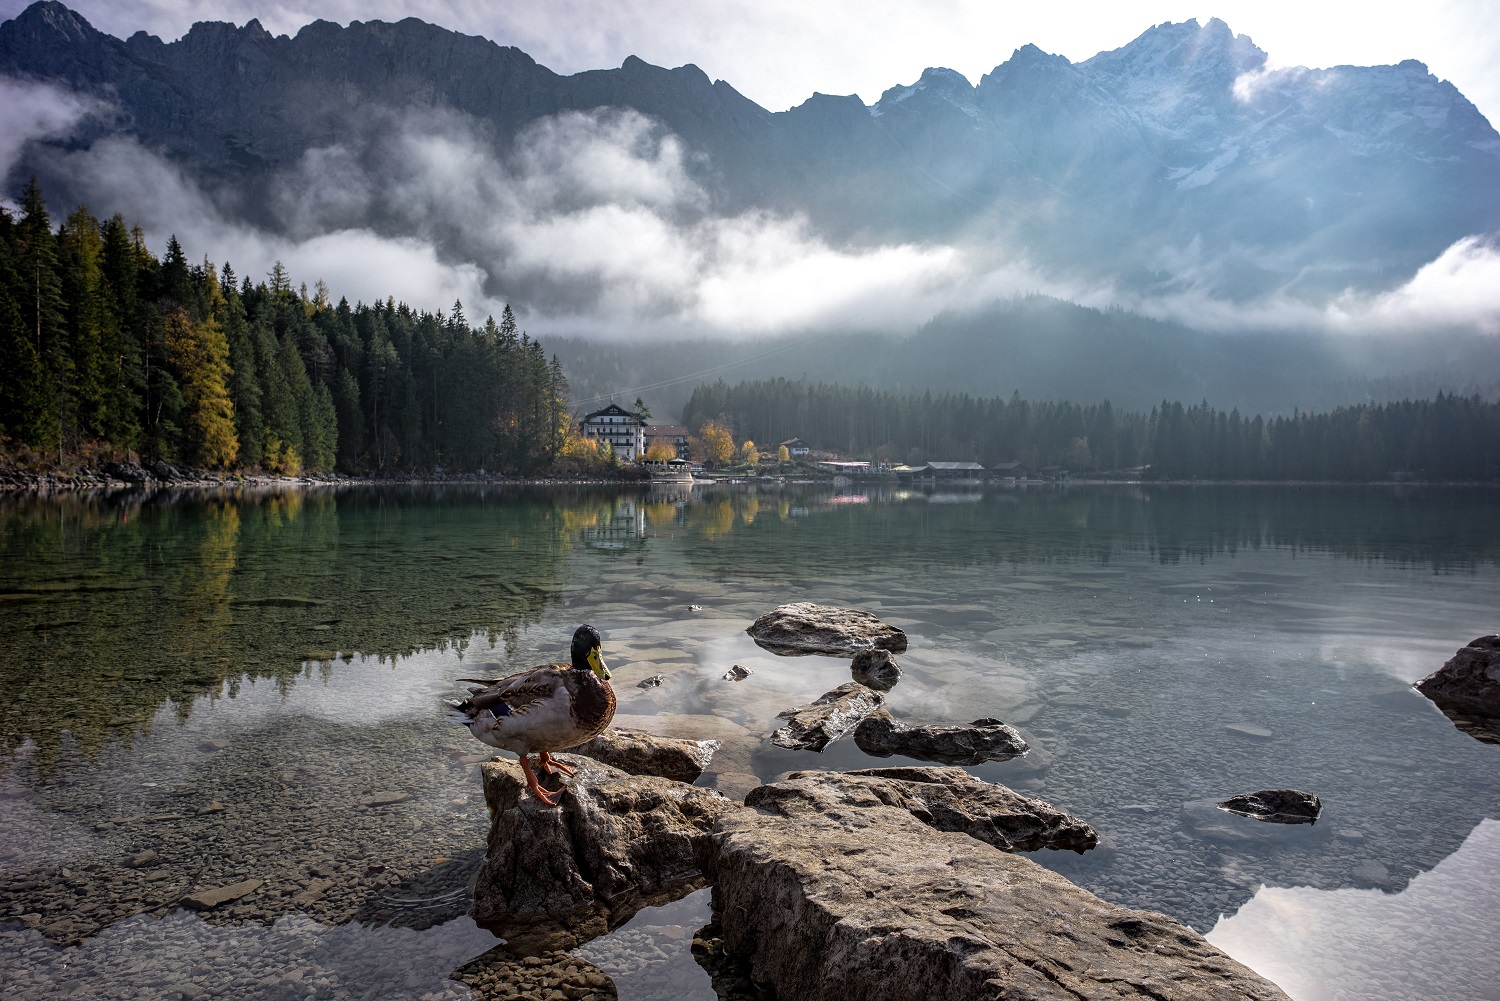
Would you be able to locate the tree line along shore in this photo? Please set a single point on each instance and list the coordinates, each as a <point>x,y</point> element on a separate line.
<point>110,354</point>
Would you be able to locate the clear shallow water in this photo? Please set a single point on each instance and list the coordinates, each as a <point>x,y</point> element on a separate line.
<point>244,686</point>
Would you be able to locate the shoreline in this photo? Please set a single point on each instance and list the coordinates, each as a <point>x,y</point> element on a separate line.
<point>16,482</point>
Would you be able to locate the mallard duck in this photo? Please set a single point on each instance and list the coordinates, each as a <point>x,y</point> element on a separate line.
<point>547,708</point>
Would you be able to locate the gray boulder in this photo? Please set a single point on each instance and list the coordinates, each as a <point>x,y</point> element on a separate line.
<point>983,740</point>
<point>554,877</point>
<point>813,727</point>
<point>647,754</point>
<point>945,799</point>
<point>876,669</point>
<point>828,903</point>
<point>1276,806</point>
<point>805,628</point>
<point>1469,682</point>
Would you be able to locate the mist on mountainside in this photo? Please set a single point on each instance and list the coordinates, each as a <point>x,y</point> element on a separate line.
<point>1046,349</point>
<point>1177,177</point>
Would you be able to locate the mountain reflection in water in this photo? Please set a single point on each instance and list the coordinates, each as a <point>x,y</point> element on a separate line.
<point>1434,939</point>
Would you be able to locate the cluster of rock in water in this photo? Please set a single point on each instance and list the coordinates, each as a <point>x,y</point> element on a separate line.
<point>873,883</point>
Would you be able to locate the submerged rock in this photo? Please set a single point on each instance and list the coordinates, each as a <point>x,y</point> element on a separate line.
<point>957,744</point>
<point>498,974</point>
<point>813,727</point>
<point>642,753</point>
<point>1469,683</point>
<point>737,673</point>
<point>1276,806</point>
<point>805,628</point>
<point>876,669</point>
<point>554,877</point>
<point>826,902</point>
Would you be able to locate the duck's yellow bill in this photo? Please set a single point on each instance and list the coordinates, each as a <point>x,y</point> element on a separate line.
<point>596,661</point>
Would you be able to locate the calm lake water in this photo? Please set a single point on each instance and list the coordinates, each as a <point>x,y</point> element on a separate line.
<point>206,690</point>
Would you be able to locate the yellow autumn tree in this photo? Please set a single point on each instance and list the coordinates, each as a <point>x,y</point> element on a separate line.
<point>783,454</point>
<point>749,454</point>
<point>713,444</point>
<point>198,353</point>
<point>661,451</point>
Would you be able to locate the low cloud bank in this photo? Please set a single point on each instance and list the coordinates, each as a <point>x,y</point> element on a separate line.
<point>595,224</point>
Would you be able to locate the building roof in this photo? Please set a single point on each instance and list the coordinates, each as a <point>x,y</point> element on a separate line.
<point>790,442</point>
<point>613,410</point>
<point>955,467</point>
<point>666,431</point>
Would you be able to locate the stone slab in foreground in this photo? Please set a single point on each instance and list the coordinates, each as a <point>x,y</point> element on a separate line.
<point>872,904</point>
<point>641,753</point>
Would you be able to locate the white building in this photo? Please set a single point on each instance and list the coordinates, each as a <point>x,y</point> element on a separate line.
<point>623,430</point>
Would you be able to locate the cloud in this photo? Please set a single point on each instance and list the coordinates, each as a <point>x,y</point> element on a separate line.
<point>31,111</point>
<point>591,224</point>
<point>1460,290</point>
<point>598,224</point>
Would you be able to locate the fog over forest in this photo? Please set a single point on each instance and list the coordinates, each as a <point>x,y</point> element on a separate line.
<point>1169,219</point>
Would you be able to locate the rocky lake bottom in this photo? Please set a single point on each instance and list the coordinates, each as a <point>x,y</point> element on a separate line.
<point>245,693</point>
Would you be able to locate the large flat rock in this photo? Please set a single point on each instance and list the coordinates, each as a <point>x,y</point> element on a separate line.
<point>946,799</point>
<point>805,628</point>
<point>866,902</point>
<point>641,753</point>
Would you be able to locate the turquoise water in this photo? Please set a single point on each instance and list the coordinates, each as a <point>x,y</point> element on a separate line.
<point>247,687</point>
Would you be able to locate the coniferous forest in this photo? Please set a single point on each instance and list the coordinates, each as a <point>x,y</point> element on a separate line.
<point>1449,438</point>
<point>107,352</point>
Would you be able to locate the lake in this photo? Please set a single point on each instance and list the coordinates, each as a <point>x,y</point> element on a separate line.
<point>208,689</point>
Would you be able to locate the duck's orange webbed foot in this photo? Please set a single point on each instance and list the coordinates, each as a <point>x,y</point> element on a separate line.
<point>551,765</point>
<point>534,787</point>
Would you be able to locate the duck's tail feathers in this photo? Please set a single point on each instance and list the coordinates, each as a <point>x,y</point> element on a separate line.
<point>456,713</point>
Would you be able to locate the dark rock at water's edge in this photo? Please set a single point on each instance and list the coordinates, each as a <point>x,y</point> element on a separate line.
<point>805,628</point>
<point>957,744</point>
<point>824,903</point>
<point>876,669</point>
<point>642,753</point>
<point>815,726</point>
<point>1276,806</point>
<point>945,799</point>
<point>1467,689</point>
<point>555,877</point>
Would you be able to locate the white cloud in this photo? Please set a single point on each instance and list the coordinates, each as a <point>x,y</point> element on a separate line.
<point>31,111</point>
<point>594,224</point>
<point>1460,290</point>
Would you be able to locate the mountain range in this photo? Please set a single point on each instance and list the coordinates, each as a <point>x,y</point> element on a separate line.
<point>1177,165</point>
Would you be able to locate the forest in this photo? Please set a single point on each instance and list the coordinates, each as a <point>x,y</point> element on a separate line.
<point>1448,438</point>
<point>107,353</point>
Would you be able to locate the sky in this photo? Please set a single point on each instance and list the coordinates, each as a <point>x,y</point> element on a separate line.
<point>597,218</point>
<point>778,52</point>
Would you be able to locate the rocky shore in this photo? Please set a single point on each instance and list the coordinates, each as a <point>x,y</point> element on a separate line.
<point>881,883</point>
<point>111,476</point>
<point>871,884</point>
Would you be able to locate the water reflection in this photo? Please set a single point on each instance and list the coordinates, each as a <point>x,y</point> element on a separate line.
<point>247,685</point>
<point>1434,939</point>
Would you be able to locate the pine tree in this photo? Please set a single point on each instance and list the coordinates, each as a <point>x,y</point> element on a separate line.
<point>199,355</point>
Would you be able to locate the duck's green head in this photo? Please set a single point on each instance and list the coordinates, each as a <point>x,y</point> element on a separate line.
<point>586,652</point>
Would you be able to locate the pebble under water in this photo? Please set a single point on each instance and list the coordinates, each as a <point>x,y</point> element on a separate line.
<point>243,690</point>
